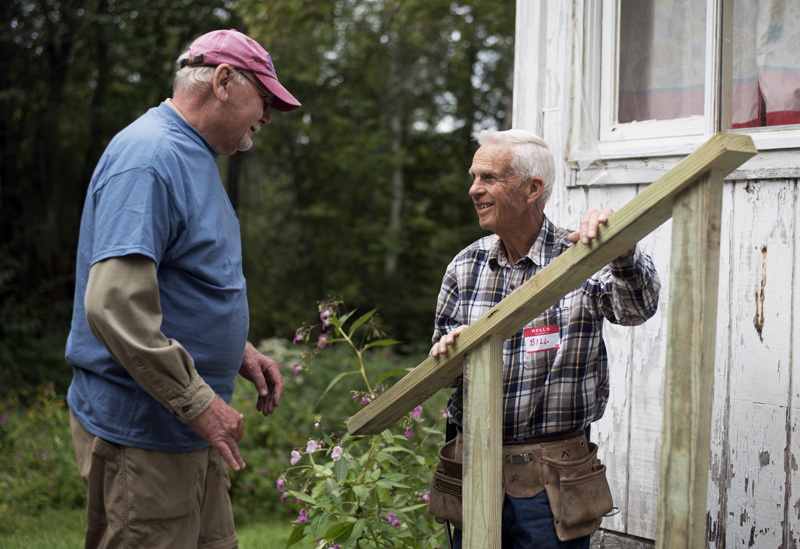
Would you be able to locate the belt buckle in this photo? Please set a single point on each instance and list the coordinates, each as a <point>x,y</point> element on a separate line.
<point>519,458</point>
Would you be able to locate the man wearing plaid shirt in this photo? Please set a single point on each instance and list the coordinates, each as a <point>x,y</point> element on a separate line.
<point>555,370</point>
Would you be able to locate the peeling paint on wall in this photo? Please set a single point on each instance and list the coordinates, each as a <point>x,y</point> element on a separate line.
<point>759,318</point>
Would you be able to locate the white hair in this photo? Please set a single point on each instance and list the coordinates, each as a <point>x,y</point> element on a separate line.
<point>532,157</point>
<point>193,79</point>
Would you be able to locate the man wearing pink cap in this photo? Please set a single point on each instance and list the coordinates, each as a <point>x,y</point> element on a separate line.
<point>160,321</point>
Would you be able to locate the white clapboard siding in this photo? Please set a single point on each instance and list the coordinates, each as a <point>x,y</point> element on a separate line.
<point>754,470</point>
<point>759,361</point>
<point>719,458</point>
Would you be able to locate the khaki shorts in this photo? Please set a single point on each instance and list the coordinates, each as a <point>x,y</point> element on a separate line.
<point>141,498</point>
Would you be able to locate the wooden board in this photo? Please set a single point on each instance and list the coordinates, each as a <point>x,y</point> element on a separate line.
<point>760,365</point>
<point>689,374</point>
<point>483,443</point>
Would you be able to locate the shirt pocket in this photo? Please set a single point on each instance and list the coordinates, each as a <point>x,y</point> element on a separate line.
<point>542,339</point>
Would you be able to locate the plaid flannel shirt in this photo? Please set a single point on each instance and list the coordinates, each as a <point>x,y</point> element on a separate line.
<point>558,389</point>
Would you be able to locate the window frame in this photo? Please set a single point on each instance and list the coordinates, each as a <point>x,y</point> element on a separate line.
<point>597,145</point>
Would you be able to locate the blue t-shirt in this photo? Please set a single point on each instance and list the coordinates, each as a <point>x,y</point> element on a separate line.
<point>157,192</point>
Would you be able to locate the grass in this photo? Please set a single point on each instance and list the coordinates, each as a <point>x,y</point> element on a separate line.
<point>60,529</point>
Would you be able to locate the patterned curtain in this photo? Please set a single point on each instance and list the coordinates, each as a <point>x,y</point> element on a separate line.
<point>662,61</point>
<point>766,69</point>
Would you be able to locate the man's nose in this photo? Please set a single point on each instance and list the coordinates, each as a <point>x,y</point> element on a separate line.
<point>477,187</point>
<point>266,118</point>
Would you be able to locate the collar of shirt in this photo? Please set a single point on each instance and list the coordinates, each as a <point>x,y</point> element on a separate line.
<point>540,253</point>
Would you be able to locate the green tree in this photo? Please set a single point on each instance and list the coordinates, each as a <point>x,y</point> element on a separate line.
<point>72,74</point>
<point>359,194</point>
<point>363,191</point>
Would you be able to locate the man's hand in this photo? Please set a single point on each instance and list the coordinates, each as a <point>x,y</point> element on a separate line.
<point>590,223</point>
<point>264,374</point>
<point>440,347</point>
<point>222,427</point>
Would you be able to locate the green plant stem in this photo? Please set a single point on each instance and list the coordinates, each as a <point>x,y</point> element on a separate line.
<point>360,359</point>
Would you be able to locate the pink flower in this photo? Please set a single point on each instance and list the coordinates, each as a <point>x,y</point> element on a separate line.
<point>297,337</point>
<point>336,454</point>
<point>312,446</point>
<point>365,400</point>
<point>281,484</point>
<point>322,339</point>
<point>284,496</point>
<point>303,518</point>
<point>417,412</point>
<point>295,457</point>
<point>297,368</point>
<point>393,520</point>
<point>409,432</point>
<point>323,316</point>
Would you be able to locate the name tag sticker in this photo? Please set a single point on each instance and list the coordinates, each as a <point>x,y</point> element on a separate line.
<point>542,338</point>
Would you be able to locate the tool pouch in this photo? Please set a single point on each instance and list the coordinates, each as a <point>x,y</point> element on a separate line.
<point>445,501</point>
<point>578,492</point>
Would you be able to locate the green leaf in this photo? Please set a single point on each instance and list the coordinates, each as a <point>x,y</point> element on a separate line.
<point>343,318</point>
<point>358,529</point>
<point>388,436</point>
<point>298,533</point>
<point>339,531</point>
<point>341,469</point>
<point>361,321</point>
<point>381,343</point>
<point>384,456</point>
<point>393,373</point>
<point>412,508</point>
<point>360,492</point>
<point>333,382</point>
<point>318,524</point>
<point>302,496</point>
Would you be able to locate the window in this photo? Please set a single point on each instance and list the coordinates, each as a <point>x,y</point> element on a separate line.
<point>658,77</point>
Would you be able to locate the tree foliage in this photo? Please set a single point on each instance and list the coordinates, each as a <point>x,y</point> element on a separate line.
<point>362,193</point>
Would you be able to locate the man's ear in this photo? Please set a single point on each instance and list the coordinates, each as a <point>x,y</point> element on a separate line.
<point>535,189</point>
<point>221,81</point>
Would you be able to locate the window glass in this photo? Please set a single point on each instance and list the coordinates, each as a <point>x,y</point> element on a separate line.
<point>662,45</point>
<point>766,63</point>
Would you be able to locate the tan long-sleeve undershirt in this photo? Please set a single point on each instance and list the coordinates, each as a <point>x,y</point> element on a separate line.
<point>124,313</point>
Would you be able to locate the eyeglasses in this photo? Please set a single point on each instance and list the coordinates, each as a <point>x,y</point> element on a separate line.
<point>266,96</point>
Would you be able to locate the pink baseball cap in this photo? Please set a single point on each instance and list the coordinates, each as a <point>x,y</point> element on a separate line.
<point>242,52</point>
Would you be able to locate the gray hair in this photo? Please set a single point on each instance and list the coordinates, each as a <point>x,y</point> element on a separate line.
<point>194,79</point>
<point>532,157</point>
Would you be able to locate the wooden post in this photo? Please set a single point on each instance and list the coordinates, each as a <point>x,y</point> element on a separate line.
<point>483,436</point>
<point>688,390</point>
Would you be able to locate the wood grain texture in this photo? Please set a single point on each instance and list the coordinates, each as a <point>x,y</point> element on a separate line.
<point>483,443</point>
<point>685,450</point>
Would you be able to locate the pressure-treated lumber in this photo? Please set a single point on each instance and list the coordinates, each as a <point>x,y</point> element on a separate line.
<point>483,443</point>
<point>689,376</point>
<point>721,154</point>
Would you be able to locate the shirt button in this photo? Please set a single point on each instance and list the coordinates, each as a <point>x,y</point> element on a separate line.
<point>185,409</point>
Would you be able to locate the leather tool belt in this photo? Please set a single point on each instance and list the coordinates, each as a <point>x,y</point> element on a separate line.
<point>565,466</point>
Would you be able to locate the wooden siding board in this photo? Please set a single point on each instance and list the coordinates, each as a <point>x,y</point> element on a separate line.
<point>760,362</point>
<point>791,465</point>
<point>647,364</point>
<point>718,483</point>
<point>611,431</point>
